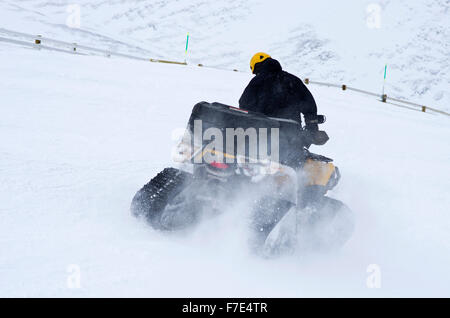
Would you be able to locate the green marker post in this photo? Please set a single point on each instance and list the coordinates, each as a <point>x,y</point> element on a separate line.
<point>186,51</point>
<point>384,81</point>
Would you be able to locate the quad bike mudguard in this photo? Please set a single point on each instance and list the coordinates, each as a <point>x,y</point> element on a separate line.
<point>321,173</point>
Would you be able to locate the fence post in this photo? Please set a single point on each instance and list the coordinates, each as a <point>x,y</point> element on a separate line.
<point>306,81</point>
<point>424,108</point>
<point>74,47</point>
<point>344,87</point>
<point>384,98</point>
<point>37,41</point>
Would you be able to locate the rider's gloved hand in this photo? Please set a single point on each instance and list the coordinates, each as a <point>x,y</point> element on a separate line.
<point>319,137</point>
<point>316,137</point>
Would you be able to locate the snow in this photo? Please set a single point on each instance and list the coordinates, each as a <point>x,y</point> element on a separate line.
<point>79,135</point>
<point>340,42</point>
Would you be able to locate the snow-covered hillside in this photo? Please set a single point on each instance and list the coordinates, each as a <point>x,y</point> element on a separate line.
<point>344,42</point>
<point>80,135</point>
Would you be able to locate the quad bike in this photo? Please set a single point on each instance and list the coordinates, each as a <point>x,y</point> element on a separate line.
<point>286,203</point>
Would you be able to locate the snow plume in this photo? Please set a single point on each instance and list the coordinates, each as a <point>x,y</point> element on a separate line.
<point>226,234</point>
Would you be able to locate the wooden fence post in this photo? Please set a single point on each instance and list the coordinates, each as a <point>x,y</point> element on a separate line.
<point>384,98</point>
<point>424,108</point>
<point>306,81</point>
<point>344,87</point>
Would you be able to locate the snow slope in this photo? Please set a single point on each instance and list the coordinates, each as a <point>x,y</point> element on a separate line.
<point>342,42</point>
<point>80,135</point>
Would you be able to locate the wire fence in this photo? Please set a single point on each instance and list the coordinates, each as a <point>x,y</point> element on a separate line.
<point>382,97</point>
<point>40,42</point>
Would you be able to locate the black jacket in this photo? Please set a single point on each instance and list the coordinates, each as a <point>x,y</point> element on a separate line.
<point>277,93</point>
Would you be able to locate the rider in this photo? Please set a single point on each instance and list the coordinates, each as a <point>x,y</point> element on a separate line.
<point>277,93</point>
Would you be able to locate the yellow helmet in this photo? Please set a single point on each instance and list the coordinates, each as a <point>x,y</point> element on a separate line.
<point>258,58</point>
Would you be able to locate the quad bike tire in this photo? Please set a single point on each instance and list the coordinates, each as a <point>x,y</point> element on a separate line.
<point>266,214</point>
<point>150,201</point>
<point>325,224</point>
<point>331,224</point>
